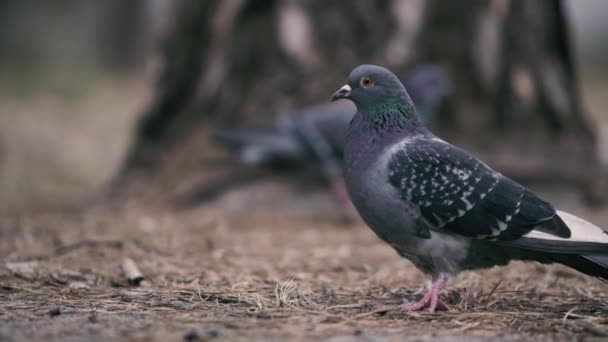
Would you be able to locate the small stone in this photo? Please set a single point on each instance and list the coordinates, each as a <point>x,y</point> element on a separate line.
<point>25,270</point>
<point>55,312</point>
<point>191,335</point>
<point>78,285</point>
<point>201,334</point>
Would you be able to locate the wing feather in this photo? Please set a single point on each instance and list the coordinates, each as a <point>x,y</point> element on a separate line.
<point>459,194</point>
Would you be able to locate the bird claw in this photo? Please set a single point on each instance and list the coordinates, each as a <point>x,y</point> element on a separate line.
<point>431,299</point>
<point>425,303</point>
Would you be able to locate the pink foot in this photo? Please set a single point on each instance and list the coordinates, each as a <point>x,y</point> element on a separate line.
<point>431,299</point>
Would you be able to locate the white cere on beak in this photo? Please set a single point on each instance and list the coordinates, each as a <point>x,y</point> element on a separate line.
<point>345,88</point>
<point>342,93</point>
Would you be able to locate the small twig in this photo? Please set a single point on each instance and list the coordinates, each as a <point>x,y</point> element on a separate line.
<point>571,313</point>
<point>283,292</point>
<point>568,315</point>
<point>373,312</point>
<point>131,272</point>
<point>198,290</point>
<point>494,289</point>
<point>345,306</point>
<point>465,327</point>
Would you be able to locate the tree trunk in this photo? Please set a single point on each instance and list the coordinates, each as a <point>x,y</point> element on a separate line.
<point>516,92</point>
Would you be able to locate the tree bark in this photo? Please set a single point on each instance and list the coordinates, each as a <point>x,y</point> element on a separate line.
<point>226,61</point>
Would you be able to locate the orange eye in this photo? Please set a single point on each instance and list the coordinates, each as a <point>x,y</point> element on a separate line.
<point>366,82</point>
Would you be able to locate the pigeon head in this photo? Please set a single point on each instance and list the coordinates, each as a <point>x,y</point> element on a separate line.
<point>368,84</point>
<point>380,97</point>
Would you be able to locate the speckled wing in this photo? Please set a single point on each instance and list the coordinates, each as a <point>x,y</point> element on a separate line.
<point>456,193</point>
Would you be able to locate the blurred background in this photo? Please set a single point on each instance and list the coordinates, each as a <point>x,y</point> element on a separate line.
<point>76,75</point>
<point>185,131</point>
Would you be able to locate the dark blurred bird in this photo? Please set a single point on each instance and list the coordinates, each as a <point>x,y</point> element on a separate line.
<point>314,136</point>
<point>294,136</point>
<point>439,206</point>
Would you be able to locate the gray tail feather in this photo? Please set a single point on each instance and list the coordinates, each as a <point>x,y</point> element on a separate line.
<point>586,257</point>
<point>558,247</point>
<point>593,265</point>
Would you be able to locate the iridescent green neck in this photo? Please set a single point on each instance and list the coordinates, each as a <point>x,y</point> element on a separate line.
<point>392,113</point>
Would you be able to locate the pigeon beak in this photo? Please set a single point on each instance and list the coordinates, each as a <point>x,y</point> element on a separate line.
<point>343,93</point>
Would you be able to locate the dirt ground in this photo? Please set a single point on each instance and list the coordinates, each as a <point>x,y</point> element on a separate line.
<point>267,272</point>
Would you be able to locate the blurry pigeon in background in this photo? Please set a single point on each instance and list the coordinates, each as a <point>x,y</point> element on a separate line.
<point>315,135</point>
<point>439,206</point>
<point>291,140</point>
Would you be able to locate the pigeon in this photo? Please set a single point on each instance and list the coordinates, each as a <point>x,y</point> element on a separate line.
<point>439,206</point>
<point>314,136</point>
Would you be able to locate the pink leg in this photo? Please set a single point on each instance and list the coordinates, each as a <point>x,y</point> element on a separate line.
<point>341,194</point>
<point>340,191</point>
<point>431,298</point>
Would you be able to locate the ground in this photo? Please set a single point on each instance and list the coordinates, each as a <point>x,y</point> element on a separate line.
<point>266,261</point>
<point>267,273</point>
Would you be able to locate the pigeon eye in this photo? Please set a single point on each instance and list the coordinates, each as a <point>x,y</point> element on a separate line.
<point>366,82</point>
